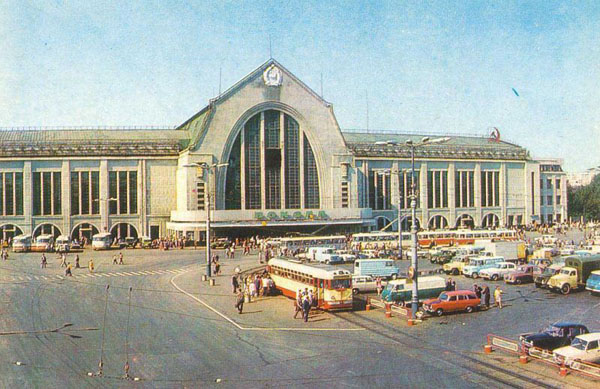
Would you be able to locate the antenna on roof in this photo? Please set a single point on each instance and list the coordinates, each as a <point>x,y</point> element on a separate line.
<point>220,68</point>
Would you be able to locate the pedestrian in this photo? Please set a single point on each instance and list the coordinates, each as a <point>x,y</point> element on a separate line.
<point>234,283</point>
<point>477,290</point>
<point>271,286</point>
<point>68,270</point>
<point>265,285</point>
<point>121,259</point>
<point>452,285</point>
<point>498,297</point>
<point>379,286</point>
<point>257,284</point>
<point>305,307</point>
<point>91,265</point>
<point>44,261</point>
<point>252,287</point>
<point>298,304</point>
<point>77,261</point>
<point>115,262</point>
<point>63,260</point>
<point>217,268</point>
<point>239,304</point>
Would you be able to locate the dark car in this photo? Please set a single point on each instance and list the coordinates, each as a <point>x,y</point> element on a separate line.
<point>556,335</point>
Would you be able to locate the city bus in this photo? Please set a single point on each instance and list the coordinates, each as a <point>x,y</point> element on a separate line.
<point>389,240</point>
<point>21,243</point>
<point>43,243</point>
<point>102,241</point>
<point>331,286</point>
<point>305,242</point>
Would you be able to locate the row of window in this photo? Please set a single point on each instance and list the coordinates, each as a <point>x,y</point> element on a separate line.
<point>549,200</point>
<point>85,193</point>
<point>549,183</point>
<point>379,189</point>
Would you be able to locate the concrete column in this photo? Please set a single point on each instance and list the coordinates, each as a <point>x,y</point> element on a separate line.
<point>27,198</point>
<point>104,196</point>
<point>503,195</point>
<point>141,196</point>
<point>263,175</point>
<point>478,194</point>
<point>451,195</point>
<point>65,187</point>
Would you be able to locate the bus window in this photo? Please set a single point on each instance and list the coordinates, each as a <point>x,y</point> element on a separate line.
<point>340,284</point>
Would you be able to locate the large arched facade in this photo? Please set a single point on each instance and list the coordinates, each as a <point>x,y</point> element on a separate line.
<point>124,230</point>
<point>46,228</point>
<point>490,220</point>
<point>272,165</point>
<point>9,231</point>
<point>437,222</point>
<point>86,230</point>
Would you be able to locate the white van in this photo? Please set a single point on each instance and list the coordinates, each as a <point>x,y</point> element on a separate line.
<point>323,254</point>
<point>43,243</point>
<point>102,241</point>
<point>62,244</point>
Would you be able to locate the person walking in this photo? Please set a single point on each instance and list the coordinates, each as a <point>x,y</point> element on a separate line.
<point>305,307</point>
<point>77,261</point>
<point>91,266</point>
<point>63,260</point>
<point>234,283</point>
<point>44,261</point>
<point>68,271</point>
<point>239,304</point>
<point>115,262</point>
<point>477,290</point>
<point>486,296</point>
<point>217,268</point>
<point>379,286</point>
<point>298,304</point>
<point>121,259</point>
<point>498,297</point>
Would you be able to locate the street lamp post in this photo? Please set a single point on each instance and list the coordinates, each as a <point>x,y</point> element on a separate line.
<point>399,218</point>
<point>413,229</point>
<point>207,169</point>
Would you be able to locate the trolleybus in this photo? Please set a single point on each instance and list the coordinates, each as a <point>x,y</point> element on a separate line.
<point>102,241</point>
<point>331,286</point>
<point>43,243</point>
<point>21,243</point>
<point>304,242</point>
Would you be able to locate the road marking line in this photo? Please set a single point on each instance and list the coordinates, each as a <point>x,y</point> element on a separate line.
<point>29,278</point>
<point>21,278</point>
<point>111,274</point>
<point>36,277</point>
<point>146,272</point>
<point>172,281</point>
<point>129,274</point>
<point>44,277</point>
<point>138,273</point>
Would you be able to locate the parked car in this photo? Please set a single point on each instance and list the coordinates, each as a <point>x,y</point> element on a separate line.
<point>584,348</point>
<point>459,300</point>
<point>477,264</point>
<point>593,283</point>
<point>556,335</point>
<point>497,272</point>
<point>524,274</point>
<point>363,284</point>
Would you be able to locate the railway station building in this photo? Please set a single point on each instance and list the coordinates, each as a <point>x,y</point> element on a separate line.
<point>269,157</point>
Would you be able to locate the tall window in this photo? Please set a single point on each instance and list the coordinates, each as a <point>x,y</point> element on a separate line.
<point>122,187</point>
<point>437,189</point>
<point>11,192</point>
<point>405,188</point>
<point>558,184</point>
<point>272,149</point>
<point>85,193</point>
<point>490,189</point>
<point>464,187</point>
<point>47,193</point>
<point>311,178</point>
<point>380,190</point>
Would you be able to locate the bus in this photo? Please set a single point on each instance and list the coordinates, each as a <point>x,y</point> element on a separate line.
<point>331,286</point>
<point>389,240</point>
<point>102,241</point>
<point>43,243</point>
<point>63,244</point>
<point>21,243</point>
<point>303,243</point>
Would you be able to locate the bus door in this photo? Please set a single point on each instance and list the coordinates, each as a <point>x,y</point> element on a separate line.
<point>320,292</point>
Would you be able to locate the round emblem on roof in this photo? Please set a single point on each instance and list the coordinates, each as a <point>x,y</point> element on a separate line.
<point>272,76</point>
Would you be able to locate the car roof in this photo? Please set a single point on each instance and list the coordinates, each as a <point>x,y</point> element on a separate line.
<point>567,324</point>
<point>458,292</point>
<point>589,337</point>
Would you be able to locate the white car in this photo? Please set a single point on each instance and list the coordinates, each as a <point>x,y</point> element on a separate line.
<point>584,348</point>
<point>362,284</point>
<point>497,272</point>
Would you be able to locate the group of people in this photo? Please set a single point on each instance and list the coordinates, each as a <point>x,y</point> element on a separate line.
<point>69,267</point>
<point>251,287</point>
<point>305,300</point>
<point>482,291</point>
<point>118,260</point>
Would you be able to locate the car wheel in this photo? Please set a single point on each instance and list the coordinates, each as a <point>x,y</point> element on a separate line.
<point>518,281</point>
<point>566,289</point>
<point>469,309</point>
<point>439,311</point>
<point>475,275</point>
<point>394,276</point>
<point>327,261</point>
<point>354,291</point>
<point>494,277</point>
<point>537,285</point>
<point>454,272</point>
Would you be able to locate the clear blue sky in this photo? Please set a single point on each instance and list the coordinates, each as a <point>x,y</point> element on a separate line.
<point>427,66</point>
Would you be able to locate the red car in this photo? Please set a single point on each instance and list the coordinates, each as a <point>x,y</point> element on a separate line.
<point>523,275</point>
<point>458,300</point>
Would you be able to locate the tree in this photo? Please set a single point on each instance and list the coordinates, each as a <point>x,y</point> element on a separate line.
<point>585,201</point>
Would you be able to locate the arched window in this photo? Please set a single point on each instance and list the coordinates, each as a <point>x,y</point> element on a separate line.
<point>272,166</point>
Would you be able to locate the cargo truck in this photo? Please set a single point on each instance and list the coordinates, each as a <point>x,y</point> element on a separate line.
<point>574,274</point>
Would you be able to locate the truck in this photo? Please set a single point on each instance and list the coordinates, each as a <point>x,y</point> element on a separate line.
<point>462,258</point>
<point>593,283</point>
<point>385,268</point>
<point>510,250</point>
<point>400,291</point>
<point>574,274</point>
<point>326,255</point>
<point>541,280</point>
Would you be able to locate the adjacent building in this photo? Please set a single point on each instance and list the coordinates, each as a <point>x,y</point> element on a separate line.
<point>266,156</point>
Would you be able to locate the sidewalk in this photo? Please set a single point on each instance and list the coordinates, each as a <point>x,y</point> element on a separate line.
<point>267,313</point>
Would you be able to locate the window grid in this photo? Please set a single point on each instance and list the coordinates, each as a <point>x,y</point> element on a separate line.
<point>47,193</point>
<point>11,192</point>
<point>123,187</point>
<point>405,188</point>
<point>490,189</point>
<point>311,178</point>
<point>253,169</point>
<point>292,163</point>
<point>437,188</point>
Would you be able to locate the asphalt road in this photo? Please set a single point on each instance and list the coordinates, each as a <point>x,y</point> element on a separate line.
<point>172,340</point>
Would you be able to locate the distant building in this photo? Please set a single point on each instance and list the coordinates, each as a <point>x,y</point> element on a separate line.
<point>289,167</point>
<point>584,178</point>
